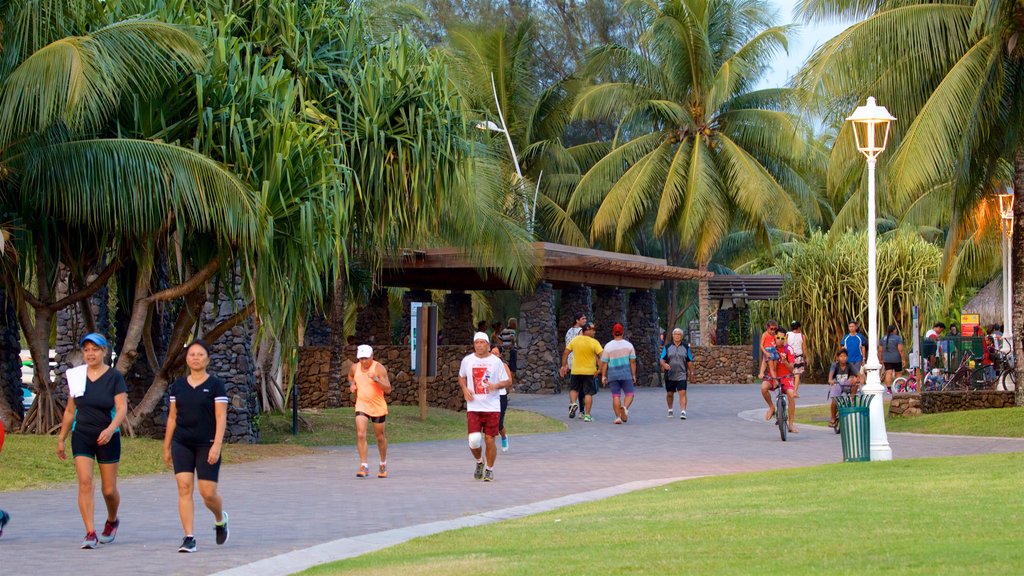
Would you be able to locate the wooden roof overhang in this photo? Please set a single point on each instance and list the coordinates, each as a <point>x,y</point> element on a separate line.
<point>745,286</point>
<point>561,265</point>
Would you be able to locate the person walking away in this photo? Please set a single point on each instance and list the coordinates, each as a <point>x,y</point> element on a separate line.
<point>798,344</point>
<point>676,359</point>
<point>784,379</point>
<point>841,374</point>
<point>193,441</point>
<point>97,406</point>
<point>481,377</point>
<point>891,351</point>
<point>496,351</point>
<point>618,372</point>
<point>368,382</point>
<point>856,346</point>
<point>586,352</point>
<point>575,330</point>
<point>508,342</point>
<point>769,356</point>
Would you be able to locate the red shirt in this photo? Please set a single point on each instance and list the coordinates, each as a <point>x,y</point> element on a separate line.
<point>785,355</point>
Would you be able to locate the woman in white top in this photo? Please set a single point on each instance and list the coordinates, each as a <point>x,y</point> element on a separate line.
<point>795,340</point>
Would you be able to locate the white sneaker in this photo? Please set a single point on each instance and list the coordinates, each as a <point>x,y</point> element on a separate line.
<point>682,415</point>
<point>669,413</point>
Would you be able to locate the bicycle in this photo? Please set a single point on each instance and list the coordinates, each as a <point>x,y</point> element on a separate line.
<point>960,380</point>
<point>905,384</point>
<point>781,403</point>
<point>1000,377</point>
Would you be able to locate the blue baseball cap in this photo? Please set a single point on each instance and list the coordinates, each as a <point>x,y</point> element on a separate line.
<point>95,338</point>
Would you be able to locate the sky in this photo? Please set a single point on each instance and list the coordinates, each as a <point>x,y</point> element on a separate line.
<point>804,42</point>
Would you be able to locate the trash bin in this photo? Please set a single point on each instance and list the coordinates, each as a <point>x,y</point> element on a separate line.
<point>854,427</point>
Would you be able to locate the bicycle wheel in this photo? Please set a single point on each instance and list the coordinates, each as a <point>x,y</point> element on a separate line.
<point>899,385</point>
<point>782,415</point>
<point>1006,381</point>
<point>978,380</point>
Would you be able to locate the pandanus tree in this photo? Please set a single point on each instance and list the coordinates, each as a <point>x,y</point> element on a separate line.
<point>698,150</point>
<point>78,196</point>
<point>953,75</point>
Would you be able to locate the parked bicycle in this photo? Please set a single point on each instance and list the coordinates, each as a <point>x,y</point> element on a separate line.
<point>905,384</point>
<point>999,375</point>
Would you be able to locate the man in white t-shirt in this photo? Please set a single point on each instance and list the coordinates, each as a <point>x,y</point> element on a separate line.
<point>482,376</point>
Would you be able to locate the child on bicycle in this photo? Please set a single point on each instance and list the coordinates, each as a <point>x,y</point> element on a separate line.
<point>842,379</point>
<point>784,378</point>
<point>769,354</point>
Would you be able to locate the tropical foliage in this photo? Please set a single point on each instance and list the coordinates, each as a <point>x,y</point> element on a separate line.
<point>825,286</point>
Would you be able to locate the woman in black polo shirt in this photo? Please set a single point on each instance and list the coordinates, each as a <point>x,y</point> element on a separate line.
<point>192,444</point>
<point>97,405</point>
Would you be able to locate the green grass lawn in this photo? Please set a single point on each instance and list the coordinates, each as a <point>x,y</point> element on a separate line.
<point>30,461</point>
<point>934,516</point>
<point>337,426</point>
<point>1008,422</point>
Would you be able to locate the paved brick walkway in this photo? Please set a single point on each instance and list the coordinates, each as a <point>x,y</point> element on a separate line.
<point>283,505</point>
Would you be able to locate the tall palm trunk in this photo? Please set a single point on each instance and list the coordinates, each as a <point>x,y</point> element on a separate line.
<point>702,307</point>
<point>10,365</point>
<point>337,321</point>
<point>1017,271</point>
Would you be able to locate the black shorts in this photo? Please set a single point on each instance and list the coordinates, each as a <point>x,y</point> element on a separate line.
<point>85,445</point>
<point>675,385</point>
<point>504,407</point>
<point>582,384</point>
<point>374,419</point>
<point>189,459</point>
<point>897,366</point>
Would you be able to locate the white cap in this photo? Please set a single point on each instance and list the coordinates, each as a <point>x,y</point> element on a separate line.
<point>481,336</point>
<point>363,351</point>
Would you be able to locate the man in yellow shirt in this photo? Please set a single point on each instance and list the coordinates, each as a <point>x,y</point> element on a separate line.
<point>586,353</point>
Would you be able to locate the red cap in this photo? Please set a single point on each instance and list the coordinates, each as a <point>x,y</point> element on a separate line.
<point>618,330</point>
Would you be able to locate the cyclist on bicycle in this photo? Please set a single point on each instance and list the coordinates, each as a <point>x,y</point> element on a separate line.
<point>783,376</point>
<point>842,379</point>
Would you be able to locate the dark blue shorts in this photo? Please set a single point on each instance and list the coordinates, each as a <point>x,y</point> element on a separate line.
<point>620,387</point>
<point>85,445</point>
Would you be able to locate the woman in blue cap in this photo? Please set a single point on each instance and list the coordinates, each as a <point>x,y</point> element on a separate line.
<point>97,405</point>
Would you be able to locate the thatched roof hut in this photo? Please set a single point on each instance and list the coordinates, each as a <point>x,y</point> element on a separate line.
<point>988,303</point>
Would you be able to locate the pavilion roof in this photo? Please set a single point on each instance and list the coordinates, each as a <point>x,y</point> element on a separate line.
<point>561,265</point>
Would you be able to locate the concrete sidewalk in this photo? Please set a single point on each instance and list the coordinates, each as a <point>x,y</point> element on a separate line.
<point>287,505</point>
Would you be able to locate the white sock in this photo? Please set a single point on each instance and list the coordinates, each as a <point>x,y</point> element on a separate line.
<point>363,464</point>
<point>490,468</point>
<point>383,463</point>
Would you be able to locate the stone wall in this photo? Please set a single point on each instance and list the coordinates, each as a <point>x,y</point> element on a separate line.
<point>442,391</point>
<point>905,405</point>
<point>936,402</point>
<point>373,321</point>
<point>457,318</point>
<point>722,365</point>
<point>609,309</point>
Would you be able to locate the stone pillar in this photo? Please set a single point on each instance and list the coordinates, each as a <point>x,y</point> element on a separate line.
<point>724,320</point>
<point>643,325</point>
<point>10,362</point>
<point>540,346</point>
<point>457,318</point>
<point>318,329</point>
<point>231,359</point>
<point>373,321</point>
<point>609,308</point>
<point>408,298</point>
<point>574,300</point>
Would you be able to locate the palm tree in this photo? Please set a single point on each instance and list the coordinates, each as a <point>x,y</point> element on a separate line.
<point>75,194</point>
<point>697,149</point>
<point>953,74</point>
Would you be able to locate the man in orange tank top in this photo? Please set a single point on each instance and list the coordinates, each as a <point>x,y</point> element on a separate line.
<point>368,381</point>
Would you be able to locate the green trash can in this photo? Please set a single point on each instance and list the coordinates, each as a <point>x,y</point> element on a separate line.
<point>854,427</point>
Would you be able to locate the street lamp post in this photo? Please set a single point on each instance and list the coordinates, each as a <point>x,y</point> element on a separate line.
<point>871,130</point>
<point>1006,215</point>
<point>528,214</point>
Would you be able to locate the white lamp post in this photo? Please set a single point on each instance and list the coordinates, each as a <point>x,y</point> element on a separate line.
<point>1006,215</point>
<point>871,130</point>
<point>528,214</point>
